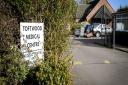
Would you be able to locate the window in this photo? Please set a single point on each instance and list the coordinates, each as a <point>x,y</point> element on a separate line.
<point>122,22</point>
<point>125,22</point>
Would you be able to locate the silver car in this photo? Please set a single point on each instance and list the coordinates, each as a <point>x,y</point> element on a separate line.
<point>101,29</point>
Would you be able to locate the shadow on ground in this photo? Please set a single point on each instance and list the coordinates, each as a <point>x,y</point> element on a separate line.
<point>94,42</point>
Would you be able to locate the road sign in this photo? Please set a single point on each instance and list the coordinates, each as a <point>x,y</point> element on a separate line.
<point>32,40</point>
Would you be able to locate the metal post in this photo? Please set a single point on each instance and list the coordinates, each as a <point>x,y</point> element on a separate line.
<point>104,23</point>
<point>114,28</point>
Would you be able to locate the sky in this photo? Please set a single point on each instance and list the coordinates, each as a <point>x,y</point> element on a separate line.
<point>117,3</point>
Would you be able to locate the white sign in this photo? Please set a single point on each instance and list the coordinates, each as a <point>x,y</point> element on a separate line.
<point>32,40</point>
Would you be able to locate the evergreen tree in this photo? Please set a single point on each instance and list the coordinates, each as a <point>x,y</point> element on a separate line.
<point>122,9</point>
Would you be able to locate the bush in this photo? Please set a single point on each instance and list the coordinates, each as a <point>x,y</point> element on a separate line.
<point>55,68</point>
<point>75,26</point>
<point>50,73</point>
<point>13,68</point>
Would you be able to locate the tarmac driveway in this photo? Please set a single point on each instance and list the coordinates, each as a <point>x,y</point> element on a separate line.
<point>97,65</point>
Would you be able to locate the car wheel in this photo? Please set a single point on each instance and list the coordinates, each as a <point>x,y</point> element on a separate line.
<point>97,34</point>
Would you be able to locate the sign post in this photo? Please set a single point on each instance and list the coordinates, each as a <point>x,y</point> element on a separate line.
<point>32,41</point>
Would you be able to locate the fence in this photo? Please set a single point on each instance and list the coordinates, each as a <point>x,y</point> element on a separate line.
<point>120,30</point>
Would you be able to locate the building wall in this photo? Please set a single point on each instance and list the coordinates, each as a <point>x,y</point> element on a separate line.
<point>121,29</point>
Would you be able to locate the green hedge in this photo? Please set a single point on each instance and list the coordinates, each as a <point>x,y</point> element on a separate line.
<point>55,68</point>
<point>13,68</point>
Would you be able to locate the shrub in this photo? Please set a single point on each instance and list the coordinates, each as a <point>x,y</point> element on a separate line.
<point>50,73</point>
<point>54,69</point>
<point>13,68</point>
<point>75,26</point>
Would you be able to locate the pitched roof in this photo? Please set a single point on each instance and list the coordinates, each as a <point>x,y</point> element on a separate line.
<point>84,9</point>
<point>81,10</point>
<point>87,11</point>
<point>106,12</point>
<point>102,3</point>
<point>93,1</point>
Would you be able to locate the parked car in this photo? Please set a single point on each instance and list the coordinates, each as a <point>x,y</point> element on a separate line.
<point>101,29</point>
<point>77,32</point>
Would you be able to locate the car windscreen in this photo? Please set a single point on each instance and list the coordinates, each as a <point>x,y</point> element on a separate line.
<point>95,25</point>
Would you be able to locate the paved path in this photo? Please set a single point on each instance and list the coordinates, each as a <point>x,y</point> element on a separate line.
<point>97,65</point>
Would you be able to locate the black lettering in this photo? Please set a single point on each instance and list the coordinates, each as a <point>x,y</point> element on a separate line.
<point>33,36</point>
<point>34,44</point>
<point>32,28</point>
<point>24,28</point>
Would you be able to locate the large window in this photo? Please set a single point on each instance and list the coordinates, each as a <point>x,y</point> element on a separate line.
<point>122,22</point>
